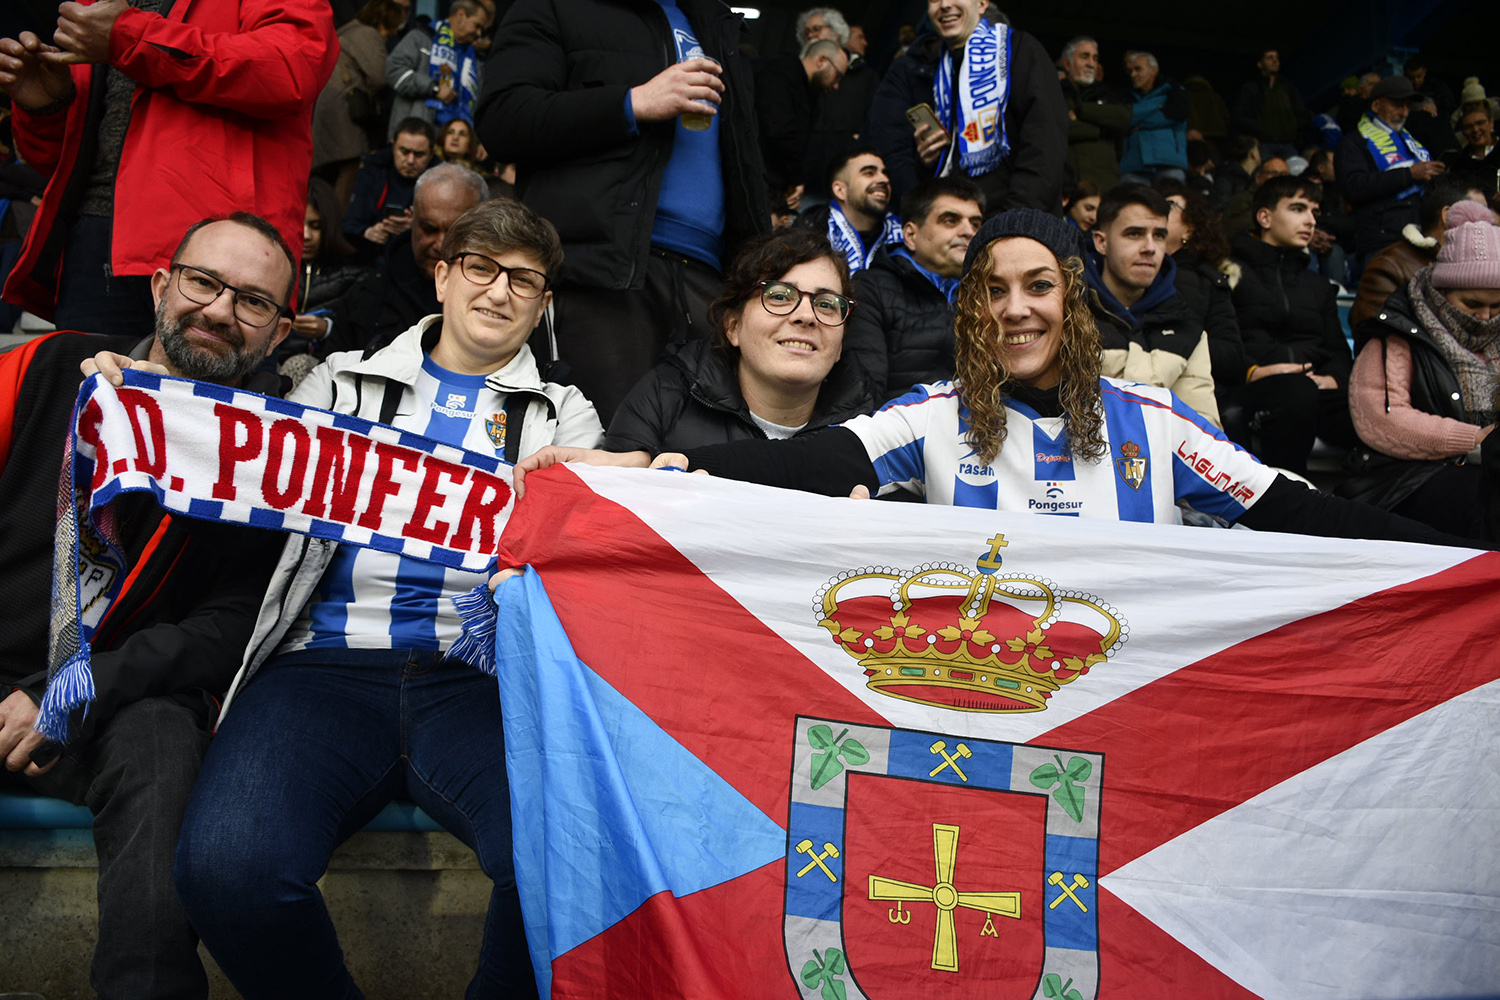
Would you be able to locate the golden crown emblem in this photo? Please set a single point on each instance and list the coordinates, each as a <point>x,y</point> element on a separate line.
<point>969,639</point>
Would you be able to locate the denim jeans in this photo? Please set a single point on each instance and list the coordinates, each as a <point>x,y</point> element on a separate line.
<point>312,749</point>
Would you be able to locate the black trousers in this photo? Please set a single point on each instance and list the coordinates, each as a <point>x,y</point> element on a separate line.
<point>1283,414</point>
<point>135,775</point>
<point>610,338</point>
<point>90,298</point>
<point>1449,501</point>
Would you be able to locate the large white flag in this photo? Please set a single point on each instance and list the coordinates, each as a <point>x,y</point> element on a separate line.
<point>779,745</point>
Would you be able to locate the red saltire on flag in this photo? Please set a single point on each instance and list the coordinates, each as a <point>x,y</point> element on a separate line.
<point>1271,778</point>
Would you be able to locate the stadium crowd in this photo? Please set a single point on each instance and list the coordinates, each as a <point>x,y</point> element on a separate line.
<point>619,236</point>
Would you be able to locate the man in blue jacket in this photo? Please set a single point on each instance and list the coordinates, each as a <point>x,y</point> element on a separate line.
<point>1156,144</point>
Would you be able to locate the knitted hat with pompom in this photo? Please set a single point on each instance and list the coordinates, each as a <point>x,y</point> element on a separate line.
<point>1470,255</point>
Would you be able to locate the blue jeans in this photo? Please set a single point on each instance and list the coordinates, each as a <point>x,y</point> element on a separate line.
<point>312,749</point>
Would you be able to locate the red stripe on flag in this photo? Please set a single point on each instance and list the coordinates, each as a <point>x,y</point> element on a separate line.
<point>1211,735</point>
<point>1140,961</point>
<point>630,603</point>
<point>714,943</point>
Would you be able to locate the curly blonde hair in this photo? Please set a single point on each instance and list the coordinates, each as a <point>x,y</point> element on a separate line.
<point>981,371</point>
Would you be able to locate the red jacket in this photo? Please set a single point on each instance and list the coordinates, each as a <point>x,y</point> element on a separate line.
<point>221,122</point>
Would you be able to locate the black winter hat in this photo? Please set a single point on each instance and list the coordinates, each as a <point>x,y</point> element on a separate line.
<point>1058,235</point>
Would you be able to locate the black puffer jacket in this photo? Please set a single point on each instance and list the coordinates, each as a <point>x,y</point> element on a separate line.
<point>1286,312</point>
<point>1205,291</point>
<point>1381,479</point>
<point>692,398</point>
<point>1036,123</point>
<point>554,104</point>
<point>902,329</point>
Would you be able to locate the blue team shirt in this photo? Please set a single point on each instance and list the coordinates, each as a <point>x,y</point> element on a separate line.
<point>370,599</point>
<point>690,205</point>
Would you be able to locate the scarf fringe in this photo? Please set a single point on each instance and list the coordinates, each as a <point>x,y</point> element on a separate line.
<point>476,645</point>
<point>72,686</point>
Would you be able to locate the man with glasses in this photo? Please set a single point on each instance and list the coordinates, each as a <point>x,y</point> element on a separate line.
<point>347,697</point>
<point>786,92</point>
<point>399,291</point>
<point>169,646</point>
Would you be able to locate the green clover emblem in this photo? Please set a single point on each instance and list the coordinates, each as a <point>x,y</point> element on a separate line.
<point>1068,780</point>
<point>825,969</point>
<point>1055,989</point>
<point>836,752</point>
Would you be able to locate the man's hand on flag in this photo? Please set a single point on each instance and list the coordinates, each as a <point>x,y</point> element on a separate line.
<point>109,364</point>
<point>505,574</point>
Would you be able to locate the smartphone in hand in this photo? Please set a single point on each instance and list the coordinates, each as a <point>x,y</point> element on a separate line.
<point>922,114</point>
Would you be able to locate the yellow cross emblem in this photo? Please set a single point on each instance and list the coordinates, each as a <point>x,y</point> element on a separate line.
<point>946,897</point>
<point>992,560</point>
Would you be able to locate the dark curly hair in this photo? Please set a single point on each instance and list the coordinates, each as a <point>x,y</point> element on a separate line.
<point>981,371</point>
<point>1204,220</point>
<point>766,258</point>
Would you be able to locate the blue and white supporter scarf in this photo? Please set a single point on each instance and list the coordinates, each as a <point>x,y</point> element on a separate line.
<point>847,241</point>
<point>983,92</point>
<point>458,65</point>
<point>227,455</point>
<point>1393,149</point>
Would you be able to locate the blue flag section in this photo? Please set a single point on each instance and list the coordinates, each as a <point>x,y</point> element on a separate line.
<point>608,807</point>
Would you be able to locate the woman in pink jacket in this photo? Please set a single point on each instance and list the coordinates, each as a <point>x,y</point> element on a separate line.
<point>1424,390</point>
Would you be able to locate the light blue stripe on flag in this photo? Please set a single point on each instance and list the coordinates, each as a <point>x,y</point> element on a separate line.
<point>627,812</point>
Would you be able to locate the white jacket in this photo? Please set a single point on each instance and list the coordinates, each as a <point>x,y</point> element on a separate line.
<point>355,384</point>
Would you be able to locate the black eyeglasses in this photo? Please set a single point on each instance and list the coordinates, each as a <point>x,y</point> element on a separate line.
<point>526,282</point>
<point>250,308</point>
<point>780,298</point>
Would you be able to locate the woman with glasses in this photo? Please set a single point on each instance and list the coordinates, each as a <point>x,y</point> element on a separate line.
<point>1028,424</point>
<point>350,664</point>
<point>773,368</point>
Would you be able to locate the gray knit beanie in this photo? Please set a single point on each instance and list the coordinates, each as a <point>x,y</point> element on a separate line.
<point>1058,235</point>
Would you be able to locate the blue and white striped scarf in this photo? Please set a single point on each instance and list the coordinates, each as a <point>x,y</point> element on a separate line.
<point>847,241</point>
<point>222,454</point>
<point>458,64</point>
<point>983,93</point>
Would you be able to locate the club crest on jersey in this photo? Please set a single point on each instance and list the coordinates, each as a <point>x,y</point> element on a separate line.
<point>924,864</point>
<point>973,640</point>
<point>1131,466</point>
<point>494,426</point>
